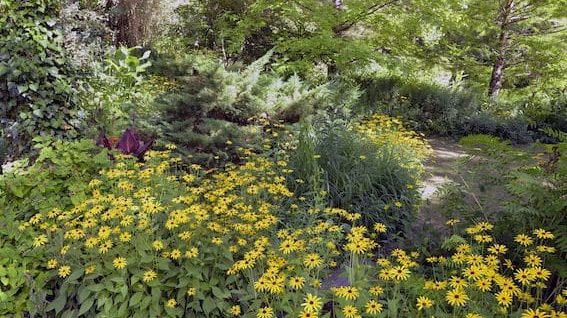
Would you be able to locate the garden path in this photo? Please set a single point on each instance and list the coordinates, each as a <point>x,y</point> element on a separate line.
<point>440,169</point>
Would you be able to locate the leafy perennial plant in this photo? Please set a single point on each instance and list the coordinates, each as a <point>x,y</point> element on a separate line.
<point>153,240</point>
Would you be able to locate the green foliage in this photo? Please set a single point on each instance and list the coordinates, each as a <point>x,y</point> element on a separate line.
<point>514,129</point>
<point>117,94</point>
<point>535,189</point>
<point>58,178</point>
<point>36,97</point>
<point>430,107</point>
<point>355,173</point>
<point>219,110</point>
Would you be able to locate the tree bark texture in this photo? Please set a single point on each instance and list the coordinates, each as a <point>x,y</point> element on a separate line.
<point>497,76</point>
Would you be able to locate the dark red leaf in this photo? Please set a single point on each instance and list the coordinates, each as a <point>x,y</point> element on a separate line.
<point>102,141</point>
<point>130,142</point>
<point>144,146</point>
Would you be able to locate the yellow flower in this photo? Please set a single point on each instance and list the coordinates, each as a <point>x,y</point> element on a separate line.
<point>306,314</point>
<point>191,291</point>
<point>347,292</point>
<point>171,303</point>
<point>40,240</point>
<point>530,313</point>
<point>541,273</point>
<point>523,240</point>
<point>265,312</point>
<point>532,260</point>
<point>380,228</point>
<point>423,303</point>
<point>457,282</point>
<point>401,273</point>
<point>373,307</point>
<point>452,222</point>
<point>504,298</point>
<point>376,291</point>
<point>119,262</point>
<point>498,249</point>
<point>525,276</point>
<point>543,234</point>
<point>312,260</point>
<point>235,310</point>
<point>311,303</point>
<point>175,254</point>
<point>297,282</point>
<point>157,245</point>
<point>64,271</point>
<point>90,269</point>
<point>473,315</point>
<point>52,263</point>
<point>456,297</point>
<point>125,237</point>
<point>149,276</point>
<point>483,284</point>
<point>192,252</point>
<point>350,311</point>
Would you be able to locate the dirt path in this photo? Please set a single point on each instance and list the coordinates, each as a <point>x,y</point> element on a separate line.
<point>440,169</point>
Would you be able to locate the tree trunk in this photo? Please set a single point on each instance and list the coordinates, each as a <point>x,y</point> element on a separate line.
<point>497,76</point>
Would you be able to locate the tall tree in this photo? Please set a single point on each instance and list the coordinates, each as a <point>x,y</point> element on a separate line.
<point>507,43</point>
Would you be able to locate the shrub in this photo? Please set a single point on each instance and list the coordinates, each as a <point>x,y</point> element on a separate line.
<point>117,94</point>
<point>218,110</point>
<point>531,192</point>
<point>58,178</point>
<point>371,168</point>
<point>514,129</point>
<point>430,107</point>
<point>35,84</point>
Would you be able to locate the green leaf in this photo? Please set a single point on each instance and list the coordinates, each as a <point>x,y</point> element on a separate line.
<point>86,306</point>
<point>22,88</point>
<point>136,299</point>
<point>58,303</point>
<point>219,293</point>
<point>209,305</point>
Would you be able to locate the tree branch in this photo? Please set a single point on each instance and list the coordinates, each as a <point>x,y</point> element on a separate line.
<point>368,12</point>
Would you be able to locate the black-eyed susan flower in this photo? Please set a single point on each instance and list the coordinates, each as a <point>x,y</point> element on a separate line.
<point>523,240</point>
<point>312,303</point>
<point>171,303</point>
<point>297,282</point>
<point>533,260</point>
<point>376,291</point>
<point>312,260</point>
<point>52,263</point>
<point>235,310</point>
<point>525,276</point>
<point>457,297</point>
<point>119,262</point>
<point>350,311</point>
<point>373,307</point>
<point>265,312</point>
<point>534,313</point>
<point>504,298</point>
<point>148,276</point>
<point>64,271</point>
<point>423,302</point>
<point>40,240</point>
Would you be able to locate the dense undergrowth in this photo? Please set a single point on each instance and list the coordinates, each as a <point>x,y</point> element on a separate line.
<point>265,160</point>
